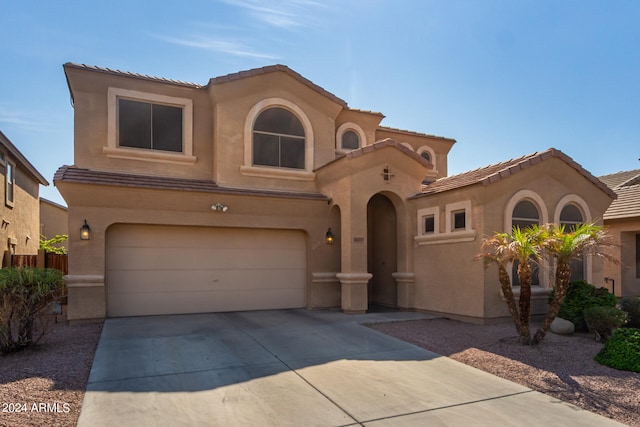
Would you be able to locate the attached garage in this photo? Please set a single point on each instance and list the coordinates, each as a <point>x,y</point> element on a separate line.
<point>154,270</point>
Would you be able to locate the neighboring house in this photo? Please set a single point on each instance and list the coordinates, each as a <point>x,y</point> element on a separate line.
<point>54,219</point>
<point>623,221</point>
<point>20,214</point>
<point>225,196</point>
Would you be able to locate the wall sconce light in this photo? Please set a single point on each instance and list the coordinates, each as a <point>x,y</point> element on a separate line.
<point>85,231</point>
<point>219,207</point>
<point>329,237</point>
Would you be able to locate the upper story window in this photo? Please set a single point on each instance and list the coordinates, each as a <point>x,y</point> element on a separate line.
<point>350,140</point>
<point>570,216</point>
<point>10,183</point>
<point>349,136</point>
<point>149,127</point>
<point>428,154</point>
<point>278,139</point>
<point>525,214</point>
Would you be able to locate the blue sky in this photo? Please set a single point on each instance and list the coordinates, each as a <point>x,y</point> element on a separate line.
<point>504,78</point>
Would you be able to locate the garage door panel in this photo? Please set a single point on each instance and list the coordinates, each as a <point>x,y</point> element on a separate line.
<point>168,270</point>
<point>188,259</point>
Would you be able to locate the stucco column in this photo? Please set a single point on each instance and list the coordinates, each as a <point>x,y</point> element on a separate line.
<point>405,281</point>
<point>354,292</point>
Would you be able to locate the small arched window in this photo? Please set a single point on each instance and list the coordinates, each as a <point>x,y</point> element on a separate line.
<point>426,155</point>
<point>570,216</point>
<point>525,214</point>
<point>278,139</point>
<point>350,140</point>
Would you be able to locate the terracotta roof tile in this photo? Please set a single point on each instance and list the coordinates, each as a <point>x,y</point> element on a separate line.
<point>494,173</point>
<point>626,185</point>
<point>131,74</point>
<point>277,68</point>
<point>76,175</point>
<point>410,132</point>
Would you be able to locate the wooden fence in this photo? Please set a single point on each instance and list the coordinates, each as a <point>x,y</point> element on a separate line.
<point>45,260</point>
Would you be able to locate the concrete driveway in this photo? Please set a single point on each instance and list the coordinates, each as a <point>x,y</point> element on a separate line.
<point>297,368</point>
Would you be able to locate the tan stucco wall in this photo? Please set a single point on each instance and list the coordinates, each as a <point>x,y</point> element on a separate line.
<point>465,287</point>
<point>23,217</point>
<point>54,219</point>
<point>104,206</point>
<point>91,123</point>
<point>624,233</point>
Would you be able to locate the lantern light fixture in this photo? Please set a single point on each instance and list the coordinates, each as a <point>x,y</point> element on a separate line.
<point>85,231</point>
<point>329,237</point>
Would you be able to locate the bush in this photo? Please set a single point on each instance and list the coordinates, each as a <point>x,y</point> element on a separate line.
<point>24,295</point>
<point>631,306</point>
<point>601,321</point>
<point>582,295</point>
<point>622,351</point>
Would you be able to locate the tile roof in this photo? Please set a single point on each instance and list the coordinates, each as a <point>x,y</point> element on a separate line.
<point>77,175</point>
<point>13,150</point>
<point>388,142</point>
<point>626,185</point>
<point>277,68</point>
<point>410,132</point>
<point>493,173</point>
<point>130,74</point>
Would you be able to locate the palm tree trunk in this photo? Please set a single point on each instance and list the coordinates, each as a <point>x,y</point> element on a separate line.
<point>507,291</point>
<point>524,275</point>
<point>563,278</point>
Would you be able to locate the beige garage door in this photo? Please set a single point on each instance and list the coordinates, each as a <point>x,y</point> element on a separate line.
<point>169,270</point>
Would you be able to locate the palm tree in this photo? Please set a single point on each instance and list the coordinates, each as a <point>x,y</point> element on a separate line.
<point>564,247</point>
<point>523,247</point>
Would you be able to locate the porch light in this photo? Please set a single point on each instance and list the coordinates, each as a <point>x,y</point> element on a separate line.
<point>329,237</point>
<point>85,231</point>
<point>219,207</point>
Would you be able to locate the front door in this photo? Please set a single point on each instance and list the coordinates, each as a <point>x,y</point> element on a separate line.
<point>382,251</point>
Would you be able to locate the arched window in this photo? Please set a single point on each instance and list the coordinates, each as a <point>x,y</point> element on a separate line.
<point>350,140</point>
<point>525,214</point>
<point>426,155</point>
<point>570,216</point>
<point>278,139</point>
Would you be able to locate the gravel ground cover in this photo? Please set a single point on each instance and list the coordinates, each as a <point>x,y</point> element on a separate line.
<point>560,366</point>
<point>44,385</point>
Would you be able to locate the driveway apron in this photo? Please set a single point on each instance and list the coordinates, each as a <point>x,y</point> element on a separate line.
<point>296,368</point>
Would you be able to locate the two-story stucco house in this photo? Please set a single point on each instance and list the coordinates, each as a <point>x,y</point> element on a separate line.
<point>226,196</point>
<point>20,213</point>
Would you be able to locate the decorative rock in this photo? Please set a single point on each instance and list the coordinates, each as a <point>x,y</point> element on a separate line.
<point>562,327</point>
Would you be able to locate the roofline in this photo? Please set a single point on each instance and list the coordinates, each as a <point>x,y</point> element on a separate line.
<point>57,205</point>
<point>22,159</point>
<point>130,74</point>
<point>273,69</point>
<point>75,175</point>
<point>410,132</point>
<point>379,145</point>
<point>524,163</point>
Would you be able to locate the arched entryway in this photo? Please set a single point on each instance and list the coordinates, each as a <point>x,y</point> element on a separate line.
<point>382,258</point>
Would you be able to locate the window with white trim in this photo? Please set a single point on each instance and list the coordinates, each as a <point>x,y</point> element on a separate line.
<point>459,217</point>
<point>570,217</point>
<point>10,183</point>
<point>428,154</point>
<point>349,136</point>
<point>149,127</point>
<point>428,221</point>
<point>278,139</point>
<point>525,214</point>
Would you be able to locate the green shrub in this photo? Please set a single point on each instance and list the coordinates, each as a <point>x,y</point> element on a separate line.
<point>601,321</point>
<point>632,307</point>
<point>622,351</point>
<point>582,295</point>
<point>24,295</point>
